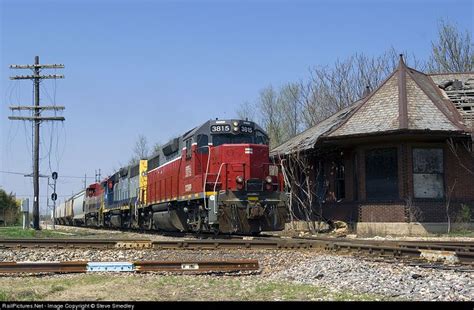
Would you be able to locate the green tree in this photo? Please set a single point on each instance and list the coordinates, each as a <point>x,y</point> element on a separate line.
<point>9,208</point>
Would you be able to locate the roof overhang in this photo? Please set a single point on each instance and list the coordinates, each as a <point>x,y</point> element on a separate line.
<point>402,135</point>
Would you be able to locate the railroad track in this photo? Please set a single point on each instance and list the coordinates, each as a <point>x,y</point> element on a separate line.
<point>139,266</point>
<point>75,243</point>
<point>447,251</point>
<point>451,252</point>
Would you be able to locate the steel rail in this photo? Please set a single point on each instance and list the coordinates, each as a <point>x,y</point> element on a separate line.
<point>39,267</point>
<point>393,248</point>
<point>75,243</point>
<point>263,243</point>
<point>138,266</point>
<point>233,244</point>
<point>453,256</point>
<point>427,242</point>
<point>204,266</point>
<point>461,246</point>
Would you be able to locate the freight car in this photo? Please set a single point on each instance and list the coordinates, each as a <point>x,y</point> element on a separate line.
<point>216,177</point>
<point>71,211</point>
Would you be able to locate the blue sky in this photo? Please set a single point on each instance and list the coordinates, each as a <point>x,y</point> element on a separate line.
<point>159,68</point>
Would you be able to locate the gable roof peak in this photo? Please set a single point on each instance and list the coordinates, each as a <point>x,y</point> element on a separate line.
<point>401,64</point>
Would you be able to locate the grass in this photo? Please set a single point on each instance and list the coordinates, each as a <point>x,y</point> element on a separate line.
<point>37,288</point>
<point>295,292</point>
<point>4,296</point>
<point>459,233</point>
<point>19,232</point>
<point>155,287</point>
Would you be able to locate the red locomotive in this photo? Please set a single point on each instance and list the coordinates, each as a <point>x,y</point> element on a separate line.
<point>216,177</point>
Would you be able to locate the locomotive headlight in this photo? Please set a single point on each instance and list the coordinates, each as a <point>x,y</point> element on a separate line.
<point>240,182</point>
<point>236,128</point>
<point>268,183</point>
<point>235,123</point>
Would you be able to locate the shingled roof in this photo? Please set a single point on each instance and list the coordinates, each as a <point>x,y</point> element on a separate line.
<point>406,100</point>
<point>308,138</point>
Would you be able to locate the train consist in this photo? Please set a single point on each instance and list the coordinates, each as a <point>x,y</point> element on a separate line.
<point>216,178</point>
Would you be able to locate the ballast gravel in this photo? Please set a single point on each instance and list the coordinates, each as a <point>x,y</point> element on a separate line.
<point>394,280</point>
<point>337,273</point>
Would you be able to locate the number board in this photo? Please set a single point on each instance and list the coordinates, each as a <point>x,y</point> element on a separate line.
<point>223,128</point>
<point>246,129</point>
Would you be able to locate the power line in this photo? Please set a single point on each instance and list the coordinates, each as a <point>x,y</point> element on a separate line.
<point>63,176</point>
<point>11,172</point>
<point>26,195</point>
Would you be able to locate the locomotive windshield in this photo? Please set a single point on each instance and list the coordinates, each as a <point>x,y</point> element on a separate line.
<point>257,138</point>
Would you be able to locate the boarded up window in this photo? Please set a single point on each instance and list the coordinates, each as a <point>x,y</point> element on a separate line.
<point>428,173</point>
<point>381,174</point>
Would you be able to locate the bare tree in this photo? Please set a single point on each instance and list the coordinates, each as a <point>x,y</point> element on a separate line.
<point>304,192</point>
<point>156,148</point>
<point>140,150</point>
<point>467,147</point>
<point>453,51</point>
<point>290,110</point>
<point>414,212</point>
<point>248,111</point>
<point>330,89</point>
<point>449,192</point>
<point>270,114</point>
<point>286,111</point>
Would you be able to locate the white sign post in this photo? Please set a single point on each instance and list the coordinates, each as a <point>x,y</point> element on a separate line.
<point>25,207</point>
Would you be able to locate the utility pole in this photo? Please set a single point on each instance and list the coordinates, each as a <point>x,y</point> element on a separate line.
<point>37,119</point>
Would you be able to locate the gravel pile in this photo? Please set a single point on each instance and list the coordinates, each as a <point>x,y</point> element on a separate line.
<point>392,280</point>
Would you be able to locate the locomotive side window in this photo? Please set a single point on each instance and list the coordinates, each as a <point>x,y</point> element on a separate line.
<point>188,148</point>
<point>202,141</point>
